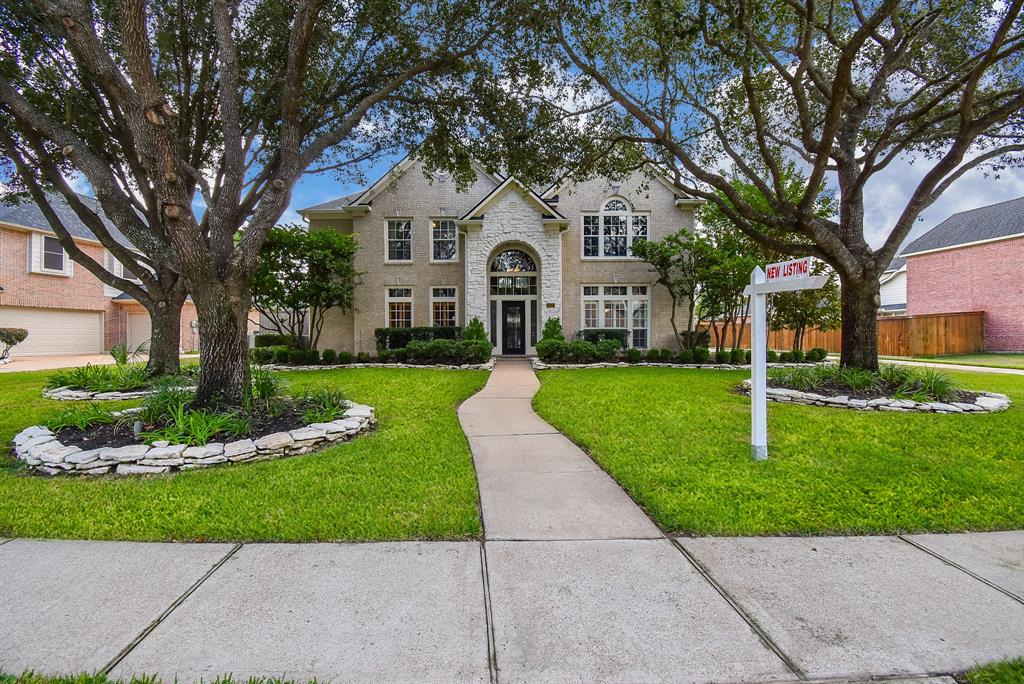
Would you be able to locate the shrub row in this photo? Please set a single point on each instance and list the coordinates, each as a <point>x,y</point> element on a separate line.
<point>273,340</point>
<point>397,338</point>
<point>559,351</point>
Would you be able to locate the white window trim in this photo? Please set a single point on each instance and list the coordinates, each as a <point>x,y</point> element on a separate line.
<point>629,298</point>
<point>455,260</point>
<point>455,299</point>
<point>600,213</point>
<point>35,253</point>
<point>387,240</point>
<point>388,299</point>
<point>112,264</point>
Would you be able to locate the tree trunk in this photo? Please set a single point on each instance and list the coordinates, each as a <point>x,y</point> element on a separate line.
<point>675,328</point>
<point>223,315</point>
<point>165,339</point>
<point>860,325</point>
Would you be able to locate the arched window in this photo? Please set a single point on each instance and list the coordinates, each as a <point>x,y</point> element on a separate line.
<point>513,261</point>
<point>612,232</point>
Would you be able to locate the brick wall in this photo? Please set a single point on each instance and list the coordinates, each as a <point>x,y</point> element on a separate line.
<point>987,277</point>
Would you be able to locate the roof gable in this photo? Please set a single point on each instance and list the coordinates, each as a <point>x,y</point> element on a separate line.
<point>513,184</point>
<point>994,222</point>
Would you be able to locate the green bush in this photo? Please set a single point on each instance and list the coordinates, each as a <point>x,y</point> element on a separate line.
<point>273,340</point>
<point>659,356</point>
<point>553,350</point>
<point>608,349</point>
<point>786,357</point>
<point>344,357</point>
<point>902,383</point>
<point>817,354</point>
<point>396,338</point>
<point>310,357</point>
<point>798,355</point>
<point>401,355</point>
<point>263,355</point>
<point>634,355</point>
<point>598,335</point>
<point>328,356</point>
<point>11,337</point>
<point>685,356</point>
<point>296,357</point>
<point>772,356</point>
<point>80,415</point>
<point>721,356</point>
<point>737,356</point>
<point>168,393</point>
<point>267,388</point>
<point>197,427</point>
<point>322,404</point>
<point>581,351</point>
<point>475,351</point>
<point>553,329</point>
<point>696,338</point>
<point>701,354</point>
<point>117,378</point>
<point>475,332</point>
<point>385,356</point>
<point>748,357</point>
<point>363,357</point>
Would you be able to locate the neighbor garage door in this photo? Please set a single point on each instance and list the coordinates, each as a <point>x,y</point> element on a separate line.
<point>53,331</point>
<point>140,329</point>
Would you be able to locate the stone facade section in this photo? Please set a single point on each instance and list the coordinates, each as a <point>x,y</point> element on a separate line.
<point>513,222</point>
<point>988,277</point>
<point>43,452</point>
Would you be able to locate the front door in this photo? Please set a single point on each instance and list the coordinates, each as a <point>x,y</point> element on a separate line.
<point>513,327</point>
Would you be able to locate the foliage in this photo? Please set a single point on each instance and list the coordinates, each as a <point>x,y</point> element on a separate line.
<point>328,356</point>
<point>169,392</point>
<point>475,332</point>
<point>701,354</point>
<point>596,335</point>
<point>303,274</point>
<point>267,388</point>
<point>1003,672</point>
<point>322,403</point>
<point>273,340</point>
<point>633,355</point>
<point>344,357</point>
<point>123,354</point>
<point>902,382</point>
<point>721,356</point>
<point>552,329</point>
<point>196,427</point>
<point>817,354</point>
<point>679,271</point>
<point>80,415</point>
<point>685,356</point>
<point>443,351</point>
<point>607,349</point>
<point>396,338</point>
<point>772,356</point>
<point>737,356</point>
<point>363,357</point>
<point>685,458</point>
<point>103,378</point>
<point>11,337</point>
<point>797,356</point>
<point>803,310</point>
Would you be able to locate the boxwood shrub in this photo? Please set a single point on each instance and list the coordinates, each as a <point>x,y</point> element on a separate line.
<point>273,340</point>
<point>701,354</point>
<point>328,356</point>
<point>634,356</point>
<point>737,356</point>
<point>817,354</point>
<point>598,335</point>
<point>397,338</point>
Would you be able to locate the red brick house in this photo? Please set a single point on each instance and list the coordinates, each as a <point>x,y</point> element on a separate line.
<point>973,261</point>
<point>66,309</point>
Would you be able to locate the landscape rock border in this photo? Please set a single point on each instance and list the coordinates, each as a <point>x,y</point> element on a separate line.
<point>40,449</point>
<point>985,402</point>
<point>540,365</point>
<point>70,394</point>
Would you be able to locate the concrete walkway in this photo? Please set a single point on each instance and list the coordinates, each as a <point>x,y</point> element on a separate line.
<point>37,363</point>
<point>572,583</point>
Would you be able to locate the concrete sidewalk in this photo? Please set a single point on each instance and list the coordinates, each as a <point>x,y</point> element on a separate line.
<point>572,583</point>
<point>944,366</point>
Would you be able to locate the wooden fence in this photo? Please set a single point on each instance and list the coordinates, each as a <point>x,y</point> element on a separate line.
<point>926,335</point>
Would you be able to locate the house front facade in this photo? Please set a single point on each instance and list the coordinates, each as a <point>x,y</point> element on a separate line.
<point>505,254</point>
<point>64,307</point>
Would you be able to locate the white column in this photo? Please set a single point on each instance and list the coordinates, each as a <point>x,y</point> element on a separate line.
<point>758,368</point>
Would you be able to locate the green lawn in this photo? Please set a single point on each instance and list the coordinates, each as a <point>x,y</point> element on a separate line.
<point>980,359</point>
<point>677,440</point>
<point>413,478</point>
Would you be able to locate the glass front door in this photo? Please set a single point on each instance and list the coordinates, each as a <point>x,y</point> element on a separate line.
<point>513,327</point>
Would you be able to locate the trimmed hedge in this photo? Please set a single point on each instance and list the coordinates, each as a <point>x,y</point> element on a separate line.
<point>449,352</point>
<point>817,354</point>
<point>273,340</point>
<point>598,335</point>
<point>398,338</point>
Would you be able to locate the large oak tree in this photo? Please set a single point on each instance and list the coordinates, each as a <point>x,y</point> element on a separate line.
<point>203,114</point>
<point>719,91</point>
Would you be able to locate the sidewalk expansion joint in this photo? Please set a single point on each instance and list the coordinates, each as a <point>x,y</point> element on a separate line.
<point>757,629</point>
<point>170,609</point>
<point>492,649</point>
<point>961,568</point>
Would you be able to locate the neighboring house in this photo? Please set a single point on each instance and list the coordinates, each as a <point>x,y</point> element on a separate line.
<point>66,309</point>
<point>503,253</point>
<point>893,290</point>
<point>973,261</point>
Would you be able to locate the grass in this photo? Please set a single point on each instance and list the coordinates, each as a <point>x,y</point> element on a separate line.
<point>413,478</point>
<point>996,360</point>
<point>1005,672</point>
<point>678,441</point>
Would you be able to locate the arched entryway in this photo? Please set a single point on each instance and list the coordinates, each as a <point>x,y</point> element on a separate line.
<point>513,285</point>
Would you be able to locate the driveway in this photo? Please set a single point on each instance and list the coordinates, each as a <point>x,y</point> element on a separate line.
<point>37,363</point>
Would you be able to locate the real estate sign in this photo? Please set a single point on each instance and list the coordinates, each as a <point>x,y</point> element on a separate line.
<point>784,276</point>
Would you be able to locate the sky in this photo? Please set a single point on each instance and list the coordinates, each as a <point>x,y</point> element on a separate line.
<point>886,195</point>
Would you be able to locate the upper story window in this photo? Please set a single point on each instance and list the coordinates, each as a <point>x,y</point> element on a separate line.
<point>399,240</point>
<point>612,232</point>
<point>513,261</point>
<point>444,241</point>
<point>47,256</point>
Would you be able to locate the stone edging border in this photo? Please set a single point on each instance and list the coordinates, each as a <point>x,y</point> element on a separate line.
<point>38,447</point>
<point>440,366</point>
<point>986,402</point>
<point>540,365</point>
<point>69,394</point>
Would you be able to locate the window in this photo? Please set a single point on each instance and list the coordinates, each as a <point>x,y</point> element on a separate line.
<point>513,262</point>
<point>444,241</point>
<point>613,232</point>
<point>400,240</point>
<point>45,255</point>
<point>623,307</point>
<point>443,307</point>
<point>53,254</point>
<point>399,307</point>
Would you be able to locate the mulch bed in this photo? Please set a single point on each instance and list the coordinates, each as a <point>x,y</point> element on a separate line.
<point>884,392</point>
<point>120,433</point>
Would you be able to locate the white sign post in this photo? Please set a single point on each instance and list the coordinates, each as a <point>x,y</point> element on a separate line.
<point>785,276</point>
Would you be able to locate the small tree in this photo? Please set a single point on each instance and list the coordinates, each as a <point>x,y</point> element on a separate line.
<point>301,276</point>
<point>9,337</point>
<point>805,309</point>
<point>678,272</point>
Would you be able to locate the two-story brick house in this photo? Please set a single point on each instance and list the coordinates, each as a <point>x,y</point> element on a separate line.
<point>65,308</point>
<point>503,253</point>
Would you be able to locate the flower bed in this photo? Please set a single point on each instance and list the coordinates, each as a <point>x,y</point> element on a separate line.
<point>46,453</point>
<point>981,402</point>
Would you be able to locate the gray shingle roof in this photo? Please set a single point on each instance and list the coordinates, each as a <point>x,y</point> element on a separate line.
<point>898,262</point>
<point>28,214</point>
<point>984,223</point>
<point>338,203</point>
